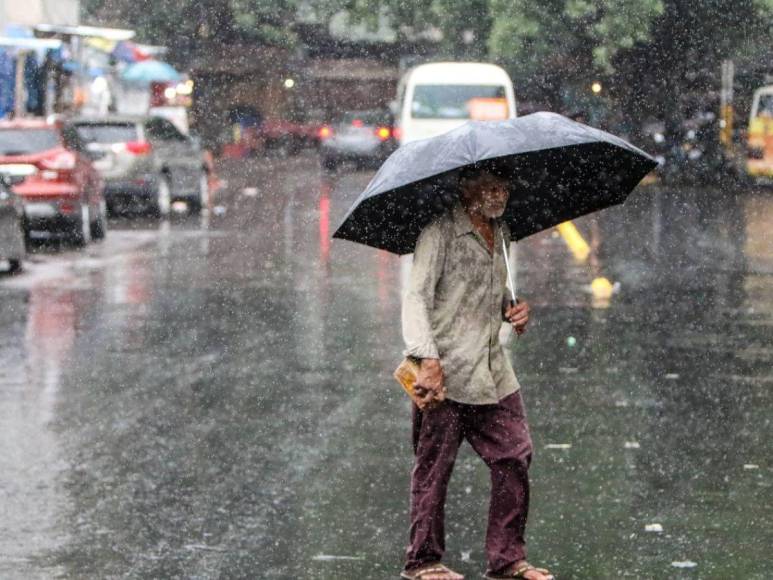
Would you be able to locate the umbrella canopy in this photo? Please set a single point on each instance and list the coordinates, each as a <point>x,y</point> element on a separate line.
<point>128,51</point>
<point>148,71</point>
<point>557,169</point>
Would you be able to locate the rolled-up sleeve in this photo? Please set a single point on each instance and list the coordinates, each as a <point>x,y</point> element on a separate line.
<point>419,299</point>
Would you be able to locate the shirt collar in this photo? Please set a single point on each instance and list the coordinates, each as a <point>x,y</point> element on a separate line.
<point>462,222</point>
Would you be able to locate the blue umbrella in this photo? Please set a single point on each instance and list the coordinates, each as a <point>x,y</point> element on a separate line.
<point>557,169</point>
<point>149,71</point>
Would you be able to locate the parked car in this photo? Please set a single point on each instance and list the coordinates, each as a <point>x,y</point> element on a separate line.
<point>290,135</point>
<point>61,191</point>
<point>146,162</point>
<point>11,233</point>
<point>366,138</point>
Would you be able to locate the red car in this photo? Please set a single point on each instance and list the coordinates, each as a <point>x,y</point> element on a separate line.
<point>62,193</point>
<point>293,134</point>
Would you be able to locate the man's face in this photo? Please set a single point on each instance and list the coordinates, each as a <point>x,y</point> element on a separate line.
<point>485,194</point>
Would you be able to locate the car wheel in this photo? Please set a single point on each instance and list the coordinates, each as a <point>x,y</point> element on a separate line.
<point>99,227</point>
<point>112,211</point>
<point>162,203</point>
<point>330,163</point>
<point>201,200</point>
<point>14,266</point>
<point>81,233</point>
<point>27,233</point>
<point>295,146</point>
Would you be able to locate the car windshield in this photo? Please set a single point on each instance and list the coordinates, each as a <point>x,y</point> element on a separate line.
<point>27,141</point>
<point>450,101</point>
<point>107,132</point>
<point>765,107</point>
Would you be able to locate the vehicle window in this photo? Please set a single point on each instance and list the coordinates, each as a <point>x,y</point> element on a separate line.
<point>367,118</point>
<point>163,130</point>
<point>450,101</point>
<point>765,107</point>
<point>27,141</point>
<point>107,133</point>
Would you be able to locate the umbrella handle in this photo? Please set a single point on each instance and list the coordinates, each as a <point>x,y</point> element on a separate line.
<point>513,299</point>
<point>509,272</point>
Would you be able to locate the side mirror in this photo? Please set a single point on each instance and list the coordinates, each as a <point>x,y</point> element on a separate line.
<point>11,180</point>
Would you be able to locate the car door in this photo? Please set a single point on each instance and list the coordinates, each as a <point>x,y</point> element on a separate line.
<point>11,237</point>
<point>173,151</point>
<point>85,175</point>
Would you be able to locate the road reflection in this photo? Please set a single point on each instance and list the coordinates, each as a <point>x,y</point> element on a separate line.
<point>326,186</point>
<point>31,453</point>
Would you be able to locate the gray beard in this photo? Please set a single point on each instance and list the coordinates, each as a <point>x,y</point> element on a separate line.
<point>492,215</point>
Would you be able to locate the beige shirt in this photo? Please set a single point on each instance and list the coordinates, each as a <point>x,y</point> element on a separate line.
<point>453,308</point>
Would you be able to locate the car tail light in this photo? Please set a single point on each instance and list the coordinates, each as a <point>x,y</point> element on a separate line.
<point>397,132</point>
<point>383,133</point>
<point>357,123</point>
<point>325,132</point>
<point>62,161</point>
<point>138,147</point>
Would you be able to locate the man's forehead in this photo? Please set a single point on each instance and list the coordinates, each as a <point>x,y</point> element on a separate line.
<point>483,177</point>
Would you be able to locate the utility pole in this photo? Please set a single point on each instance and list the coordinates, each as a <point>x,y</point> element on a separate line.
<point>726,112</point>
<point>19,90</point>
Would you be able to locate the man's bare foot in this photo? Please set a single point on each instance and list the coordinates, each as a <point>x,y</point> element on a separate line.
<point>532,573</point>
<point>431,572</point>
<point>522,569</point>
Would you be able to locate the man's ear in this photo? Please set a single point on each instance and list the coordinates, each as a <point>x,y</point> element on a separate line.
<point>464,188</point>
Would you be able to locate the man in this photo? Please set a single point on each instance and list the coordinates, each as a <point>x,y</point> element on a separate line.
<point>452,313</point>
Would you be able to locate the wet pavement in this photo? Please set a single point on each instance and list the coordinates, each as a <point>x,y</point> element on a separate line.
<point>212,397</point>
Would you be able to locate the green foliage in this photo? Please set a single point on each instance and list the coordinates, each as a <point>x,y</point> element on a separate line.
<point>647,52</point>
<point>580,36</point>
<point>678,68</point>
<point>465,24</point>
<point>177,23</point>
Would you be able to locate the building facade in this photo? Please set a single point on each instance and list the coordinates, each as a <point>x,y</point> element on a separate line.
<point>32,12</point>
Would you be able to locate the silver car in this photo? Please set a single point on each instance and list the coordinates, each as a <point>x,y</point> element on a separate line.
<point>145,161</point>
<point>365,138</point>
<point>11,233</point>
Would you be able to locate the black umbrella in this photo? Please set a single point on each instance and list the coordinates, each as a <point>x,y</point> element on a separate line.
<point>558,170</point>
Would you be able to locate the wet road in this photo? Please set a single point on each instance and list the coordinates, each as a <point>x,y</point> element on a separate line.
<point>212,398</point>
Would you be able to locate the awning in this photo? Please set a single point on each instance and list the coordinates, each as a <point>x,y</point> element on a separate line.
<point>109,33</point>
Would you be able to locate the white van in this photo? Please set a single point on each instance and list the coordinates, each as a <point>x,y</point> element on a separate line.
<point>437,97</point>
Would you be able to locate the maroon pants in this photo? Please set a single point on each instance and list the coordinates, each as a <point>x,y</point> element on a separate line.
<point>500,435</point>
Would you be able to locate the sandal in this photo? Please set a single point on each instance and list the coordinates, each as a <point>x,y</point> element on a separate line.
<point>518,572</point>
<point>428,570</point>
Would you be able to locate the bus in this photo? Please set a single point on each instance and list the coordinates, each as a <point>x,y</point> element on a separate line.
<point>436,97</point>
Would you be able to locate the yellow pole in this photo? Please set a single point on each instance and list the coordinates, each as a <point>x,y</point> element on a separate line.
<point>574,240</point>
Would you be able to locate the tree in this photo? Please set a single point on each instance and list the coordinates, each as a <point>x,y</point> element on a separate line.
<point>182,24</point>
<point>654,55</point>
<point>678,66</point>
<point>464,25</point>
<point>559,43</point>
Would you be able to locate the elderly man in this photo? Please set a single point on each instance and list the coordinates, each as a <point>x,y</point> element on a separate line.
<point>452,313</point>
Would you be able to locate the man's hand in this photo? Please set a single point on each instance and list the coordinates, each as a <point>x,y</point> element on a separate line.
<point>518,316</point>
<point>429,383</point>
